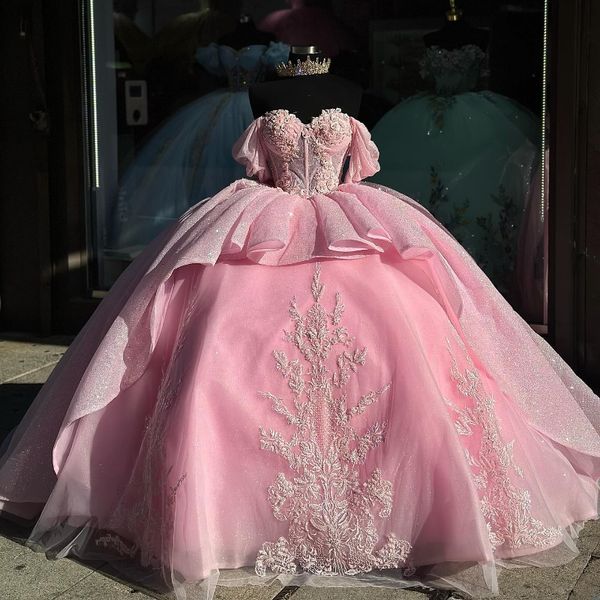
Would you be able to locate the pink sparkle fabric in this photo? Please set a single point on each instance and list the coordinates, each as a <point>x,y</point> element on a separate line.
<point>311,381</point>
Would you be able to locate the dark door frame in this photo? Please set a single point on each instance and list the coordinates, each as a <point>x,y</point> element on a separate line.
<point>72,303</point>
<point>570,107</point>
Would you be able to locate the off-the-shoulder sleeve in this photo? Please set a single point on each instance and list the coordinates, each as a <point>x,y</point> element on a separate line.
<point>363,152</point>
<point>276,53</point>
<point>208,58</point>
<point>249,152</point>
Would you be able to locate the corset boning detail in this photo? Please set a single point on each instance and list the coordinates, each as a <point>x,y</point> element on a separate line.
<point>306,158</point>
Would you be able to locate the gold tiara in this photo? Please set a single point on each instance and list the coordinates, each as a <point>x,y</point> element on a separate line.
<point>303,67</point>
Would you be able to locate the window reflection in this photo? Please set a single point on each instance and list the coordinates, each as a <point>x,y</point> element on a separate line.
<point>454,105</point>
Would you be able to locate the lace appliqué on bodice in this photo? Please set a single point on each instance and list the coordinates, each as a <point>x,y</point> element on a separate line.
<point>453,71</point>
<point>305,162</point>
<point>330,511</point>
<point>306,159</point>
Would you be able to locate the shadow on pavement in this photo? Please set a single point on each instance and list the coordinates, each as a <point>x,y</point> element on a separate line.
<point>15,399</point>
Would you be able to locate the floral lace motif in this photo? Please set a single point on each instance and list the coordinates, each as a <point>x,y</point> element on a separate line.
<point>453,71</point>
<point>307,165</point>
<point>329,509</point>
<point>506,507</point>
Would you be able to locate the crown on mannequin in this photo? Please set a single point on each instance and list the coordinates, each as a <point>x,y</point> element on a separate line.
<point>308,66</point>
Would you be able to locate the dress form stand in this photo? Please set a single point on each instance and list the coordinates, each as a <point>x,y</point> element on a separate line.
<point>246,34</point>
<point>306,95</point>
<point>457,32</point>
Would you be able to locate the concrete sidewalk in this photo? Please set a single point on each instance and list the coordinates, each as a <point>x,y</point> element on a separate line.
<point>25,364</point>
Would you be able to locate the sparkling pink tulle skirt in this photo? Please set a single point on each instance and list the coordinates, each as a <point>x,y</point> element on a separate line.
<point>326,391</point>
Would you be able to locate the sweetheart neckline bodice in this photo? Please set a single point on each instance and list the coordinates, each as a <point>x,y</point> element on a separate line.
<point>307,158</point>
<point>310,124</point>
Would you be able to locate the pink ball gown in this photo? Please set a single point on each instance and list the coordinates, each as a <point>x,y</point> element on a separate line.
<point>309,381</point>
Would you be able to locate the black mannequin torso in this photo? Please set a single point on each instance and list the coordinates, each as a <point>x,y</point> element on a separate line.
<point>245,34</point>
<point>306,95</point>
<point>456,34</point>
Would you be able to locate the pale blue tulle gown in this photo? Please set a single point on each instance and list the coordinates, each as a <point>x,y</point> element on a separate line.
<point>468,156</point>
<point>189,157</point>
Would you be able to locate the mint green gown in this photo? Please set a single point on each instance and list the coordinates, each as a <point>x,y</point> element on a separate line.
<point>467,156</point>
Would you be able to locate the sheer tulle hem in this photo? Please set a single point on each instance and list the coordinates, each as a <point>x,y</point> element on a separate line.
<point>121,558</point>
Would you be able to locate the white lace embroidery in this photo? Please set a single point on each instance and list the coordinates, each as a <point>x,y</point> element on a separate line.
<point>330,511</point>
<point>505,507</point>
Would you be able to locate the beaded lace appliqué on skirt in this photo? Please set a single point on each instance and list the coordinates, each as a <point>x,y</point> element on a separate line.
<point>505,506</point>
<point>329,508</point>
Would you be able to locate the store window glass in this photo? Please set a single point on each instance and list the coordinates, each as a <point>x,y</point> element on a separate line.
<point>454,95</point>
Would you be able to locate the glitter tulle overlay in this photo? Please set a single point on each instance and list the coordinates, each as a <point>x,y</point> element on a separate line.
<point>312,381</point>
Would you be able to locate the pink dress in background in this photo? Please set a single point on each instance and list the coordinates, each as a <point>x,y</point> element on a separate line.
<point>302,25</point>
<point>309,381</point>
